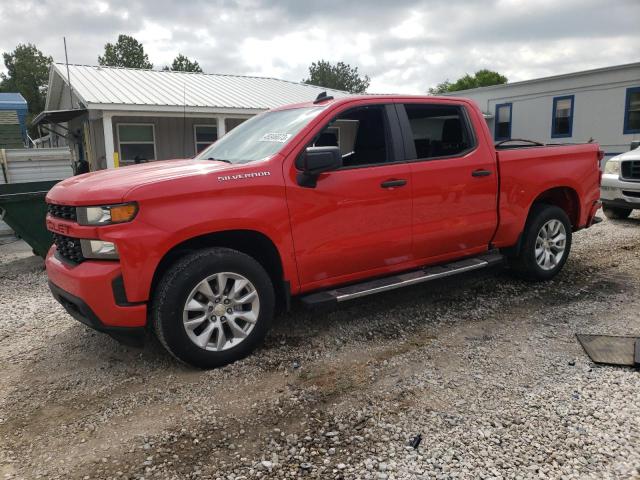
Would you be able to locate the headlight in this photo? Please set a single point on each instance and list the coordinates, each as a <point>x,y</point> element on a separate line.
<point>99,249</point>
<point>107,214</point>
<point>612,167</point>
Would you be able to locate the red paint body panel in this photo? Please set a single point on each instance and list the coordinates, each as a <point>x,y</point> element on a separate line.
<point>111,186</point>
<point>173,209</point>
<point>91,281</point>
<point>349,224</point>
<point>523,178</point>
<point>455,212</point>
<point>348,227</point>
<point>345,229</point>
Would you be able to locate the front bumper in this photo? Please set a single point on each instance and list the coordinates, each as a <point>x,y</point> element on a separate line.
<point>89,292</point>
<point>78,309</point>
<point>619,193</point>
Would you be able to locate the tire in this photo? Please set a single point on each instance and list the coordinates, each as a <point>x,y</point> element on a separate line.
<point>235,329</point>
<point>530,263</point>
<point>616,213</point>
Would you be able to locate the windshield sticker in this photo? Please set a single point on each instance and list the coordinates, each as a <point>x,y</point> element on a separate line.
<point>275,137</point>
<point>241,176</point>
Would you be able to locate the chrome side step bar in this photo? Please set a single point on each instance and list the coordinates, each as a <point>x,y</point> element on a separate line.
<point>370,287</point>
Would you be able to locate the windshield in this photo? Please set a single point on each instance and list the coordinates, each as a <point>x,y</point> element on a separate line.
<point>260,136</point>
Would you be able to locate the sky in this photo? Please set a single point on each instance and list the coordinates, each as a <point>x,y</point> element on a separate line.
<point>405,46</point>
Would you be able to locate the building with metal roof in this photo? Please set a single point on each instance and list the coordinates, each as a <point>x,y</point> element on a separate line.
<point>116,116</point>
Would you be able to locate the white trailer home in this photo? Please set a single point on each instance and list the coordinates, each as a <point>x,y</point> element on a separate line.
<point>602,105</point>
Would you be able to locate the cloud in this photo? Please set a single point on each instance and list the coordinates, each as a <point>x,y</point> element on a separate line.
<point>404,46</point>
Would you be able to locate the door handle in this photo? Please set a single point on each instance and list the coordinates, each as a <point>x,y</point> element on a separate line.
<point>481,173</point>
<point>393,183</point>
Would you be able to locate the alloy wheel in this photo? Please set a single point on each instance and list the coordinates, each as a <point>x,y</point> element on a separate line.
<point>221,311</point>
<point>551,244</point>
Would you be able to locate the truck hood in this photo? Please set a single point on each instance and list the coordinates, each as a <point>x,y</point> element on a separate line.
<point>630,155</point>
<point>111,186</point>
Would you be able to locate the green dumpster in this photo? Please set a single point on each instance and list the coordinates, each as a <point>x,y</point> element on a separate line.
<point>23,208</point>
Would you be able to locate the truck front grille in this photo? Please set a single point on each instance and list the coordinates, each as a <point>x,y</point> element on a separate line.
<point>65,212</point>
<point>69,248</point>
<point>631,170</point>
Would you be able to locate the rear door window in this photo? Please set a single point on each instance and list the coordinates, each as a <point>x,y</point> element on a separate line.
<point>438,130</point>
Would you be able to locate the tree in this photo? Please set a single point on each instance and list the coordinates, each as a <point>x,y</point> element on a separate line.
<point>340,76</point>
<point>126,52</point>
<point>27,73</point>
<point>482,78</point>
<point>443,87</point>
<point>182,64</point>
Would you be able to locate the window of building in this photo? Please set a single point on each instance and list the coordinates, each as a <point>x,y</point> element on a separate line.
<point>362,135</point>
<point>503,122</point>
<point>438,130</point>
<point>231,123</point>
<point>562,120</point>
<point>204,135</point>
<point>632,111</point>
<point>136,142</point>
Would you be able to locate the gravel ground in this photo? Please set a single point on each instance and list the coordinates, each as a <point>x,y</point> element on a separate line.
<point>484,367</point>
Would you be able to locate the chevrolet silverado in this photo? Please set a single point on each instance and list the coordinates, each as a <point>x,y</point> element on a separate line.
<point>327,201</point>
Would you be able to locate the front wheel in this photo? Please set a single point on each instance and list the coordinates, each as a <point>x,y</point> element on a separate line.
<point>546,243</point>
<point>213,307</point>
<point>616,213</point>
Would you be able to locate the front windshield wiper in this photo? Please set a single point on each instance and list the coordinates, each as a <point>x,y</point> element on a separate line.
<point>219,160</point>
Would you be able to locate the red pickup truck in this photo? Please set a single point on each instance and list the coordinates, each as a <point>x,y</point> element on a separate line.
<point>328,201</point>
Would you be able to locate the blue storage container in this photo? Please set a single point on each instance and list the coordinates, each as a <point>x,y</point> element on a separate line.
<point>15,101</point>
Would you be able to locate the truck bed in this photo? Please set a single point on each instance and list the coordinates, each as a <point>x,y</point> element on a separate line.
<point>567,170</point>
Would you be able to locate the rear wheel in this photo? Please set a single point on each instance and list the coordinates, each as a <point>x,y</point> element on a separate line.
<point>616,213</point>
<point>546,243</point>
<point>213,307</point>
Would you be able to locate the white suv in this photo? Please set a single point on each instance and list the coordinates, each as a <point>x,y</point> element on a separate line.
<point>620,189</point>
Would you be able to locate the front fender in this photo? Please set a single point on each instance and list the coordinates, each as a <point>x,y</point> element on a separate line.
<point>163,224</point>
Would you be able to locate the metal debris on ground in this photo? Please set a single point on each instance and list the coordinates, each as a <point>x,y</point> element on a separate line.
<point>415,441</point>
<point>611,350</point>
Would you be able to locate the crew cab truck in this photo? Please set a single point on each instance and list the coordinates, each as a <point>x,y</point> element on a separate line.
<point>328,201</point>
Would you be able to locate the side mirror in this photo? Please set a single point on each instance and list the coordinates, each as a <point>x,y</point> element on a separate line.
<point>317,160</point>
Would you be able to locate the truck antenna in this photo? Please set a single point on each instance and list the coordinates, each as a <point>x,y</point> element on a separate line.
<point>322,97</point>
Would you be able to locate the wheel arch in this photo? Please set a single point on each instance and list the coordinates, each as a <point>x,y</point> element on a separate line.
<point>563,197</point>
<point>251,242</point>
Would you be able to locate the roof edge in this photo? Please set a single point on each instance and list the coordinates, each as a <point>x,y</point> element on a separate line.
<point>544,79</point>
<point>56,67</point>
<point>133,109</point>
<point>59,66</point>
<point>19,99</point>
